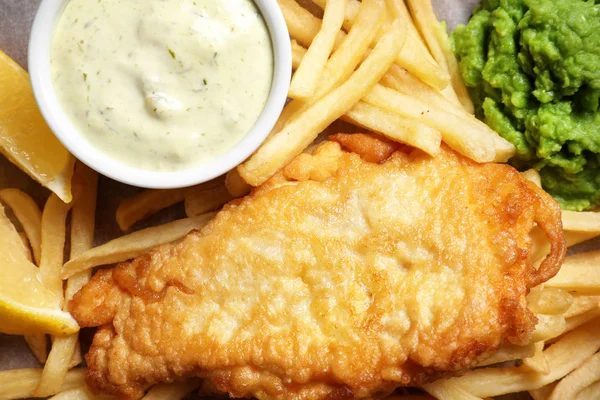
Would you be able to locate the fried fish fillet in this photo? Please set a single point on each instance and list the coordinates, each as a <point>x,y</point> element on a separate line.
<point>339,278</point>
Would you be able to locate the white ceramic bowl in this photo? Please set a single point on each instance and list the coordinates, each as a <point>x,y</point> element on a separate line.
<point>40,46</point>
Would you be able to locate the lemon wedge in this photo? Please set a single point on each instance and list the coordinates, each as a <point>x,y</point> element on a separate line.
<point>25,138</point>
<point>26,306</point>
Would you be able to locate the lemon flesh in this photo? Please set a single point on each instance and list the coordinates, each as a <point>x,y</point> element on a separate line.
<point>26,306</point>
<point>25,138</point>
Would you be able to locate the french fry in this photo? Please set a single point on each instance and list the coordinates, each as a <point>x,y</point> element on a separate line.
<point>345,59</point>
<point>20,383</point>
<point>29,215</point>
<point>414,57</point>
<point>203,200</point>
<point>533,176</point>
<point>590,392</point>
<point>56,368</point>
<point>541,246</point>
<point>54,220</point>
<point>446,390</point>
<point>580,273</point>
<point>581,221</point>
<point>548,300</point>
<point>134,244</point>
<point>284,145</point>
<point>395,127</point>
<point>582,304</point>
<point>465,134</point>
<point>83,213</point>
<point>173,391</point>
<point>236,185</point>
<point>538,362</point>
<point>403,81</point>
<point>75,394</point>
<point>542,393</point>
<point>83,224</point>
<point>147,203</point>
<point>352,50</point>
<point>305,80</point>
<point>77,358</point>
<point>564,356</point>
<point>38,344</point>
<point>509,352</point>
<point>582,377</point>
<point>574,238</point>
<point>83,217</point>
<point>350,14</point>
<point>302,25</point>
<point>578,320</point>
<point>548,327</point>
<point>411,397</point>
<point>438,43</point>
<point>298,53</point>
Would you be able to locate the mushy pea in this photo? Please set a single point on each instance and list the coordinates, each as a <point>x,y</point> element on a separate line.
<point>533,70</point>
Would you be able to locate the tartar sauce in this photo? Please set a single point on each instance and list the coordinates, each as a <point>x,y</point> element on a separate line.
<point>162,84</point>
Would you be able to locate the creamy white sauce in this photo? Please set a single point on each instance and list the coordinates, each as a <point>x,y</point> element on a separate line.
<point>162,84</point>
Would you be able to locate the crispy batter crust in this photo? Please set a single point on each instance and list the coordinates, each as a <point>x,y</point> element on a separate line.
<point>337,279</point>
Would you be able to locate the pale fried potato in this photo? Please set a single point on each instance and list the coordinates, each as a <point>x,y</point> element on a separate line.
<point>134,244</point>
<point>38,344</point>
<point>564,356</point>
<point>439,45</point>
<point>202,200</point>
<point>301,131</point>
<point>582,377</point>
<point>580,273</point>
<point>236,185</point>
<point>344,60</point>
<point>54,220</point>
<point>395,127</point>
<point>509,352</point>
<point>403,81</point>
<point>538,362</point>
<point>549,300</point>
<point>147,203</point>
<point>305,80</point>
<point>590,392</point>
<point>302,25</point>
<point>446,390</point>
<point>548,327</point>
<point>587,221</point>
<point>542,393</point>
<point>582,304</point>
<point>64,350</point>
<point>464,134</point>
<point>533,176</point>
<point>578,320</point>
<point>574,238</point>
<point>75,394</point>
<point>414,57</point>
<point>298,53</point>
<point>20,383</point>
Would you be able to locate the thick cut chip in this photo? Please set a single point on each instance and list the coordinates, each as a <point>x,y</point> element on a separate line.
<point>338,278</point>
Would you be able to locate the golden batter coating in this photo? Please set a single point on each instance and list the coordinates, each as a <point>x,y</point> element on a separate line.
<point>339,278</point>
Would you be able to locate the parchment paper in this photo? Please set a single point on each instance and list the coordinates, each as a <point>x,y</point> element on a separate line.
<point>16,17</point>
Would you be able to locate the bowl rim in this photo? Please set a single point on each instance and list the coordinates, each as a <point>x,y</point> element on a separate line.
<point>39,52</point>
